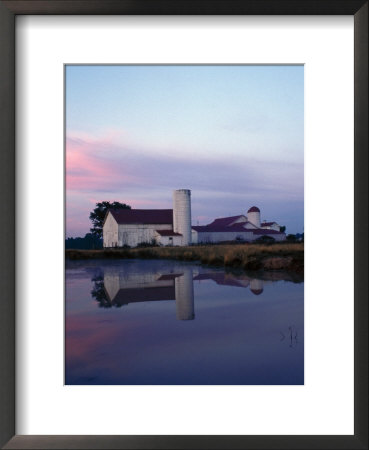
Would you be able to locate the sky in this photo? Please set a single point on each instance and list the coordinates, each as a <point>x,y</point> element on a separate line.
<point>233,134</point>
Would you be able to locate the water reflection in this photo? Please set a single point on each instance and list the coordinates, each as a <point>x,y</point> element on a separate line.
<point>117,288</point>
<point>248,329</point>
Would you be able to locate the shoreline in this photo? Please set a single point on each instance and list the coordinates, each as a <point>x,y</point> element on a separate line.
<point>248,257</point>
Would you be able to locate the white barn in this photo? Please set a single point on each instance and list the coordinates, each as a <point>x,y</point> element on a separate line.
<point>131,227</point>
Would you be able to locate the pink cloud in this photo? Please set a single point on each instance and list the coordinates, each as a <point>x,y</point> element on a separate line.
<point>93,165</point>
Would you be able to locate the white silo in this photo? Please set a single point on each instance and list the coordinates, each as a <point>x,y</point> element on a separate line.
<point>182,214</point>
<point>253,216</point>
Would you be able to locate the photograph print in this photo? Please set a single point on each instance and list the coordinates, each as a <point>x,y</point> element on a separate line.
<point>184,224</point>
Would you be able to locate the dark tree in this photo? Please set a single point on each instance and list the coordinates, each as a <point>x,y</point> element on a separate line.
<point>97,216</point>
<point>282,229</point>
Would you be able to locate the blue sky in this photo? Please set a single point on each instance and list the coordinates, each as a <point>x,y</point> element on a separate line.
<point>234,135</point>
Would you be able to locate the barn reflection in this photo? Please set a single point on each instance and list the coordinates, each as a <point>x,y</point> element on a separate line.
<point>116,288</point>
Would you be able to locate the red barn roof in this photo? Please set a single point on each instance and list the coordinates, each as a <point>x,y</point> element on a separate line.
<point>143,216</point>
<point>224,221</point>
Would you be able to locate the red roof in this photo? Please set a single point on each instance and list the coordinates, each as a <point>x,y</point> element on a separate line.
<point>143,216</point>
<point>224,221</point>
<point>167,233</point>
<point>254,209</point>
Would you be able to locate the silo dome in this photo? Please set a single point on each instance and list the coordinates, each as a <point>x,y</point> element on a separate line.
<point>254,209</point>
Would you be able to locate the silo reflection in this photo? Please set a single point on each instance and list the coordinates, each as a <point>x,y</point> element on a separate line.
<point>185,296</point>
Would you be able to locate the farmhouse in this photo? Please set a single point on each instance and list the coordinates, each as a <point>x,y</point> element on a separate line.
<point>131,227</point>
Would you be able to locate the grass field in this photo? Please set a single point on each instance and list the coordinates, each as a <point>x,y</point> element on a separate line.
<point>277,256</point>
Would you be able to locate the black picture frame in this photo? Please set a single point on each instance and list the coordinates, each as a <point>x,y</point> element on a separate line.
<point>8,11</point>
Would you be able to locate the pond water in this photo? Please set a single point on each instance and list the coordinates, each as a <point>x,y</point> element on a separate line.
<point>138,322</point>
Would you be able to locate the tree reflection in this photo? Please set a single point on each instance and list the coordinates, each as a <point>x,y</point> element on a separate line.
<point>98,292</point>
